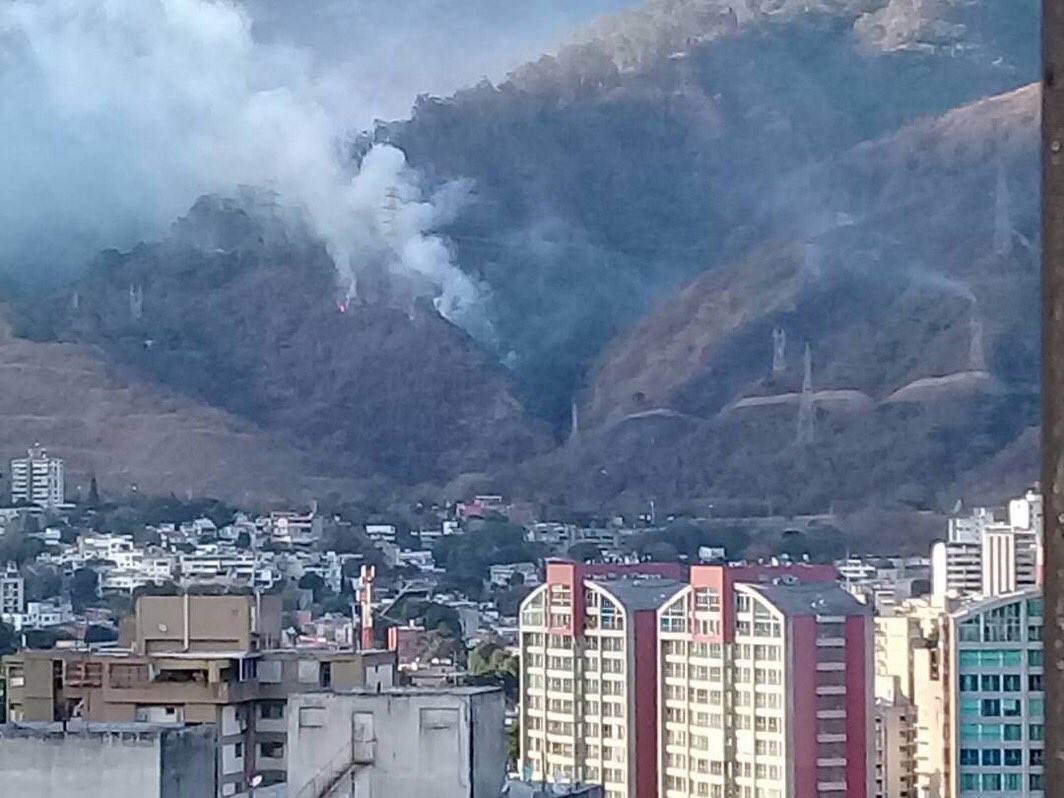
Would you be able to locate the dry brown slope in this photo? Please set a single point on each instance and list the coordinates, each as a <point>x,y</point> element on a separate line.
<point>100,420</point>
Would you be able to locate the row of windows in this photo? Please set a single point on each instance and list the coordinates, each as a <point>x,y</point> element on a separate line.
<point>999,683</point>
<point>998,658</point>
<point>1008,732</point>
<point>996,757</point>
<point>1000,707</point>
<point>998,782</point>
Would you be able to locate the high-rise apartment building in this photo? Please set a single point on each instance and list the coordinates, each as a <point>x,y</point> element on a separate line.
<point>12,590</point>
<point>589,674</point>
<point>37,479</point>
<point>995,730</point>
<point>989,558</point>
<point>740,680</point>
<point>765,686</point>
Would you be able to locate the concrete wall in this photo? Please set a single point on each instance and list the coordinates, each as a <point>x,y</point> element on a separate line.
<point>443,743</point>
<point>188,763</point>
<point>168,764</point>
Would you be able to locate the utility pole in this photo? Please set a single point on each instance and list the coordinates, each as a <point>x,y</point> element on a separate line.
<point>1053,383</point>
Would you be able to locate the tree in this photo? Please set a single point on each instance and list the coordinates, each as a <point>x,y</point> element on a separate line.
<point>100,634</point>
<point>585,552</point>
<point>314,583</point>
<point>8,640</point>
<point>84,587</point>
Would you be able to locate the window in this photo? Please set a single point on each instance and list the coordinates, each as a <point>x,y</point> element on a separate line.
<point>969,683</point>
<point>1012,782</point>
<point>271,750</point>
<point>1011,682</point>
<point>1036,757</point>
<point>991,708</point>
<point>1011,707</point>
<point>1034,634</point>
<point>969,756</point>
<point>1013,732</point>
<point>1036,707</point>
<point>238,750</point>
<point>1034,608</point>
<point>991,683</point>
<point>1034,657</point>
<point>1036,731</point>
<point>991,782</point>
<point>1013,757</point>
<point>272,710</point>
<point>991,757</point>
<point>1036,781</point>
<point>1034,682</point>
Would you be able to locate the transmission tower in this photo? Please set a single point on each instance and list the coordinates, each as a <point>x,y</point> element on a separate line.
<point>779,351</point>
<point>977,350</point>
<point>136,302</point>
<point>1003,233</point>
<point>806,405</point>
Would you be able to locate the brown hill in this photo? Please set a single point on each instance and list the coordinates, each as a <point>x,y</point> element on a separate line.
<point>103,420</point>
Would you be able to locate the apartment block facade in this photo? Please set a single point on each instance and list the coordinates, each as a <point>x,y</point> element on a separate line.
<point>765,686</point>
<point>732,681</point>
<point>194,660</point>
<point>37,479</point>
<point>995,697</point>
<point>589,673</point>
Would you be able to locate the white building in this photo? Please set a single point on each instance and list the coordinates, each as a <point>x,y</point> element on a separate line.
<point>12,591</point>
<point>37,479</point>
<point>211,562</point>
<point>502,575</point>
<point>443,743</point>
<point>381,533</point>
<point>984,556</point>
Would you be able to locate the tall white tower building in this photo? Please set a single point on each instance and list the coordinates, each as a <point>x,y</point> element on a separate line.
<point>37,479</point>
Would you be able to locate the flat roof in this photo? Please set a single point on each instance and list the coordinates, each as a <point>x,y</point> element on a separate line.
<point>810,598</point>
<point>405,691</point>
<point>81,728</point>
<point>641,593</point>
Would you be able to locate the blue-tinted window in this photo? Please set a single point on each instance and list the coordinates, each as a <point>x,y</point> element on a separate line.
<point>1037,731</point>
<point>969,756</point>
<point>969,683</point>
<point>1036,781</point>
<point>991,683</point>
<point>1034,657</point>
<point>1011,707</point>
<point>1034,682</point>
<point>1013,757</point>
<point>1036,757</point>
<point>1034,633</point>
<point>991,782</point>
<point>990,708</point>
<point>1036,707</point>
<point>1034,607</point>
<point>1013,731</point>
<point>1013,782</point>
<point>991,757</point>
<point>969,781</point>
<point>1011,682</point>
<point>969,706</point>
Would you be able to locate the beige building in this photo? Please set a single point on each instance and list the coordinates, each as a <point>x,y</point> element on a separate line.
<point>194,660</point>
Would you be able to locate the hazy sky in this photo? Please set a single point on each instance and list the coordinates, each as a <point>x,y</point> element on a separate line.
<point>116,114</point>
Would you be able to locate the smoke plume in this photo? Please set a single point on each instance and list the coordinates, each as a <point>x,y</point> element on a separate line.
<point>116,114</point>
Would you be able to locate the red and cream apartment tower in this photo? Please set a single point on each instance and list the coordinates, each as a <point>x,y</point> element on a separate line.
<point>718,681</point>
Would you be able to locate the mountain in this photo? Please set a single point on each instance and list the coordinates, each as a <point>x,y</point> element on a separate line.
<point>649,204</point>
<point>239,308</point>
<point>104,420</point>
<point>609,174</point>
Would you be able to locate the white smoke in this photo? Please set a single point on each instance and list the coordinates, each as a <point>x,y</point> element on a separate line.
<point>116,114</point>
